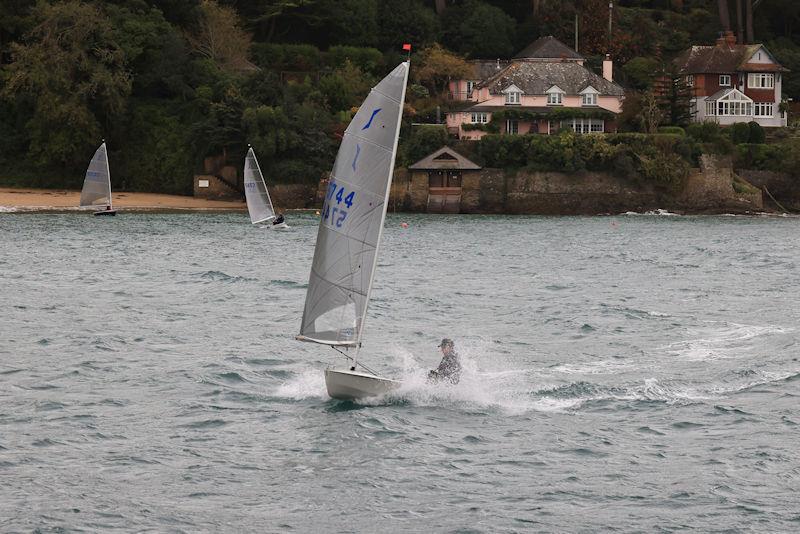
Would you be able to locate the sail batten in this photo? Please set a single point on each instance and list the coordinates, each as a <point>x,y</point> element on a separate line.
<point>259,204</point>
<point>352,218</point>
<point>96,189</point>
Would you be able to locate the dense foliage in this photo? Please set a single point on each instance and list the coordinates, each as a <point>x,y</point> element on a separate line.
<point>170,82</point>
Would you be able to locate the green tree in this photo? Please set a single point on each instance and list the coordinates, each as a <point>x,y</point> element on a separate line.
<point>75,73</point>
<point>437,66</point>
<point>640,72</point>
<point>406,21</point>
<point>479,30</point>
<point>155,51</point>
<point>157,155</point>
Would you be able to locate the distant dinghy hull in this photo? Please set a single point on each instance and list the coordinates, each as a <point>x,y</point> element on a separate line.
<point>105,212</point>
<point>351,385</point>
<point>280,226</point>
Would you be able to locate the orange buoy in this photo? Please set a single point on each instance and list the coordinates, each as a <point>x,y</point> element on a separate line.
<point>404,225</point>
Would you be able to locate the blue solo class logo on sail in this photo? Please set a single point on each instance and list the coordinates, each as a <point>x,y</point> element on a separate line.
<point>336,215</point>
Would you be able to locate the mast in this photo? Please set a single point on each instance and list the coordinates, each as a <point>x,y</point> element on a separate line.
<point>383,217</point>
<point>264,183</point>
<point>108,173</point>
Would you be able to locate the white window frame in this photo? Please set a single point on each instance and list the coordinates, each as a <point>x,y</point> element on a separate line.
<point>512,126</point>
<point>589,99</point>
<point>711,109</point>
<point>513,98</point>
<point>724,80</point>
<point>734,108</point>
<point>760,80</point>
<point>479,117</point>
<point>585,126</point>
<point>554,99</point>
<point>763,109</point>
<point>690,80</point>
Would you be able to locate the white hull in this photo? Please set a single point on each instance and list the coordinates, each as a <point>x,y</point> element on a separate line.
<point>281,225</point>
<point>349,385</point>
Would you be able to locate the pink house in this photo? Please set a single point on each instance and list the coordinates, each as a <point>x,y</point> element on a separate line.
<point>542,89</point>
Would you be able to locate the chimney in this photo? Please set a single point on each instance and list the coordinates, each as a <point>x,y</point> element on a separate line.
<point>497,65</point>
<point>726,38</point>
<point>608,68</point>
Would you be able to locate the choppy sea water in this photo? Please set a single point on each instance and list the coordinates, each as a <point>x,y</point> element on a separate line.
<point>630,373</point>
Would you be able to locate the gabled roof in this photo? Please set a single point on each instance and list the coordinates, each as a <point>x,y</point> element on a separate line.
<point>548,48</point>
<point>536,77</point>
<point>729,92</point>
<point>723,58</point>
<point>444,158</point>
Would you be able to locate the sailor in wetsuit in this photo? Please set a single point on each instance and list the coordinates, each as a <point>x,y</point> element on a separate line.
<point>450,367</point>
<point>279,219</point>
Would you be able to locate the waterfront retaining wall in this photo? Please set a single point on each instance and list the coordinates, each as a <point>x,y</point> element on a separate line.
<point>707,189</point>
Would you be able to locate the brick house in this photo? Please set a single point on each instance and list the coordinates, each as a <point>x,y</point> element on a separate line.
<point>733,83</point>
<point>542,89</point>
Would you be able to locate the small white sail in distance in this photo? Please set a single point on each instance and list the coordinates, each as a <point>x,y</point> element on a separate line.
<point>255,190</point>
<point>97,183</point>
<point>352,218</point>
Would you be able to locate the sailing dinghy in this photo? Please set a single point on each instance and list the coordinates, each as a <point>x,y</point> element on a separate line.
<point>351,224</point>
<point>255,191</point>
<point>96,190</point>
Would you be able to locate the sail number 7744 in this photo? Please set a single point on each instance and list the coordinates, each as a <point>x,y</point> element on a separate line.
<point>344,201</point>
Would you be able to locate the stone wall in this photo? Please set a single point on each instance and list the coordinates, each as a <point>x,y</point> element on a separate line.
<point>782,186</point>
<point>210,187</point>
<point>708,190</point>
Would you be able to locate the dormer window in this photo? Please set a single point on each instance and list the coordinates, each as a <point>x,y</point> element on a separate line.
<point>724,80</point>
<point>555,96</point>
<point>513,95</point>
<point>589,96</point>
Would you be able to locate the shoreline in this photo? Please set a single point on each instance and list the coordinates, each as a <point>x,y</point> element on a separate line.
<point>26,200</point>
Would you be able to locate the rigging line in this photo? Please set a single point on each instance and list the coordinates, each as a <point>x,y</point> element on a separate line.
<point>353,359</point>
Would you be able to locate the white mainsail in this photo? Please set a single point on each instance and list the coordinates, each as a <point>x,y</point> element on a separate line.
<point>255,191</point>
<point>352,218</point>
<point>97,183</point>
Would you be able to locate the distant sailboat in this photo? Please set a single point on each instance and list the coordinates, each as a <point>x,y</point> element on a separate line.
<point>255,191</point>
<point>350,231</point>
<point>96,190</point>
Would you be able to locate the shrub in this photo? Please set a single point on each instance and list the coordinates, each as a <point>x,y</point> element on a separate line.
<point>366,58</point>
<point>739,133</point>
<point>666,170</point>
<point>757,134</point>
<point>704,132</point>
<point>496,150</point>
<point>421,141</point>
<point>300,57</point>
<point>675,130</point>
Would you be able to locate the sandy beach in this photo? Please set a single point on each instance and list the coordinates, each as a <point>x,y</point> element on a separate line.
<point>22,200</point>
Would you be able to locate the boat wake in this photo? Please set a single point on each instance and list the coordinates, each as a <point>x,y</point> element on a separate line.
<point>493,381</point>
